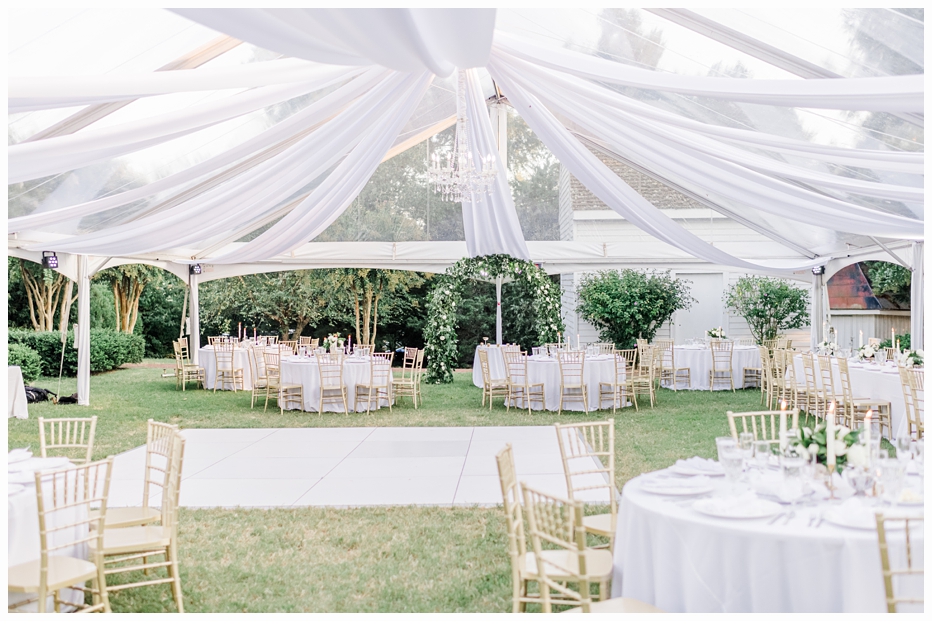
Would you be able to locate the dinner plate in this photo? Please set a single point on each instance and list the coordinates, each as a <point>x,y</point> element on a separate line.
<point>757,508</point>
<point>18,455</point>
<point>858,520</point>
<point>677,491</point>
<point>686,470</point>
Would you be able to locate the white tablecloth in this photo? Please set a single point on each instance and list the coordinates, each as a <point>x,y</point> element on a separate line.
<point>305,371</point>
<point>205,358</point>
<point>699,361</point>
<point>16,394</point>
<point>867,382</point>
<point>596,369</point>
<point>679,560</point>
<point>23,523</point>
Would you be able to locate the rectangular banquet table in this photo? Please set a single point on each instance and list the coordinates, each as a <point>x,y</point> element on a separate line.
<point>669,555</point>
<point>542,369</point>
<point>867,381</point>
<point>699,361</point>
<point>16,394</point>
<point>304,371</point>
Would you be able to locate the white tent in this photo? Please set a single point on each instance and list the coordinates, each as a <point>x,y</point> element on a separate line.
<point>819,147</point>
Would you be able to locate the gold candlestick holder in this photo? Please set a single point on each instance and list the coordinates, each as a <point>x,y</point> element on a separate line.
<point>831,480</point>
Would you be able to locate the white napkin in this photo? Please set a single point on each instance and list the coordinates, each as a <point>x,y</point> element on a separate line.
<point>746,504</point>
<point>700,464</point>
<point>662,483</point>
<point>38,463</point>
<point>18,455</point>
<point>855,512</point>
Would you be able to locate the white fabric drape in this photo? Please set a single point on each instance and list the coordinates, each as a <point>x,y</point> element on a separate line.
<point>917,299</point>
<point>47,92</point>
<point>30,160</point>
<point>610,188</point>
<point>490,224</point>
<point>247,197</point>
<point>330,199</point>
<point>83,337</point>
<point>408,40</point>
<point>610,105</point>
<point>890,93</point>
<point>292,127</point>
<point>679,162</point>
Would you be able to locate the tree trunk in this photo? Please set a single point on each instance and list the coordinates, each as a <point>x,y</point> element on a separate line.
<point>358,337</point>
<point>375,318</point>
<point>368,317</point>
<point>42,297</point>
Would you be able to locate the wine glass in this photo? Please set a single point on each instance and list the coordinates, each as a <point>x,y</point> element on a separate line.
<point>485,341</point>
<point>859,478</point>
<point>893,477</point>
<point>722,443</point>
<point>762,452</point>
<point>793,464</point>
<point>903,443</point>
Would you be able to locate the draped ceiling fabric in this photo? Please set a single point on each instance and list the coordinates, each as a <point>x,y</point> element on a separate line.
<point>368,70</point>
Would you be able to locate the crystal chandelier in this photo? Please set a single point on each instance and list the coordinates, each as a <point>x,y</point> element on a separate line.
<point>459,175</point>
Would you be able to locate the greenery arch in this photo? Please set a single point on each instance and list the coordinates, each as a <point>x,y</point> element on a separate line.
<point>440,333</point>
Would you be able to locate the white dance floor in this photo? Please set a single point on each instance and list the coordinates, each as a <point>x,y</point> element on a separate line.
<point>349,466</point>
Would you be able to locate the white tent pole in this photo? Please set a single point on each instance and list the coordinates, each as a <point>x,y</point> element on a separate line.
<point>84,331</point>
<point>195,316</point>
<point>498,310</point>
<point>917,295</point>
<point>818,311</point>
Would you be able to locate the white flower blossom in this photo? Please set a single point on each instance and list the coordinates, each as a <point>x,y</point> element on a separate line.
<point>840,447</point>
<point>857,455</point>
<point>803,452</point>
<point>813,449</point>
<point>807,432</point>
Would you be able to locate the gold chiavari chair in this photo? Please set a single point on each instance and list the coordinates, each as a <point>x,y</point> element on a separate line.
<point>519,389</point>
<point>185,371</point>
<point>911,570</point>
<point>853,409</point>
<point>284,393</point>
<point>643,377</point>
<point>491,387</point>
<point>766,385</point>
<point>409,385</point>
<point>215,340</point>
<point>558,523</point>
<point>122,546</point>
<point>332,387</point>
<point>588,453</point>
<point>874,341</point>
<point>721,372</point>
<point>793,389</point>
<point>778,364</point>
<point>291,345</point>
<point>311,342</point>
<point>523,562</point>
<point>364,349</point>
<point>71,435</point>
<point>911,382</point>
<point>828,393</point>
<point>812,402</point>
<point>889,354</point>
<point>160,451</point>
<point>765,425</point>
<point>572,379</point>
<point>620,390</point>
<point>379,386</point>
<point>605,347</point>
<point>747,342</point>
<point>260,376</point>
<point>669,373</point>
<point>770,344</point>
<point>226,371</point>
<point>268,340</point>
<point>70,501</point>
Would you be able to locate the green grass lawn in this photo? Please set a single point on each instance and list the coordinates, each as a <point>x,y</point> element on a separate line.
<point>397,559</point>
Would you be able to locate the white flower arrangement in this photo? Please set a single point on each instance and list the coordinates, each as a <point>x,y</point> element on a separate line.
<point>716,333</point>
<point>867,352</point>
<point>829,347</point>
<point>914,358</point>
<point>333,340</point>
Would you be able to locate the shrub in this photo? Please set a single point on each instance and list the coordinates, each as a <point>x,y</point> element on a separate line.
<point>109,349</point>
<point>768,305</point>
<point>27,359</point>
<point>627,305</point>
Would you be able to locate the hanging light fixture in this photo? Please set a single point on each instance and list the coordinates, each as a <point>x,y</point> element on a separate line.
<point>459,174</point>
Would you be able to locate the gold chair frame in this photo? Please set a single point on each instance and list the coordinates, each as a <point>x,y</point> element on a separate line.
<point>722,368</point>
<point>669,373</point>
<point>226,372</point>
<point>491,387</point>
<point>573,386</point>
<point>519,389</point>
<point>853,409</point>
<point>760,422</point>
<point>185,371</point>
<point>68,434</point>
<point>887,571</point>
<point>621,389</point>
<point>380,380</point>
<point>332,387</point>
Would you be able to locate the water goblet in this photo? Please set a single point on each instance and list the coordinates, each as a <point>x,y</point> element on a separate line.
<point>762,451</point>
<point>859,478</point>
<point>793,466</point>
<point>903,447</point>
<point>892,478</point>
<point>732,461</point>
<point>722,443</point>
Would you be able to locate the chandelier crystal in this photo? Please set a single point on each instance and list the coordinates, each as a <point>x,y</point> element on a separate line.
<point>461,174</point>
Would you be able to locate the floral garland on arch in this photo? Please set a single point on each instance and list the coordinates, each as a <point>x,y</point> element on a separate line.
<point>440,333</point>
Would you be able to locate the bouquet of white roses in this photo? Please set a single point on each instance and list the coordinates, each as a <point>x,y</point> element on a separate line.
<point>867,351</point>
<point>829,346</point>
<point>333,340</point>
<point>716,333</point>
<point>915,358</point>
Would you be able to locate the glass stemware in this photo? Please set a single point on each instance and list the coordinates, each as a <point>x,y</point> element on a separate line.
<point>892,477</point>
<point>903,444</point>
<point>762,453</point>
<point>722,443</point>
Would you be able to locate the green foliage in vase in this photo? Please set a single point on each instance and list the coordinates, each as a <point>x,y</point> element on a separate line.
<point>768,305</point>
<point>627,305</point>
<point>440,335</point>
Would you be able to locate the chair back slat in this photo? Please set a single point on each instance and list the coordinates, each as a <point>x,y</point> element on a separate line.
<point>71,435</point>
<point>588,453</point>
<point>765,425</point>
<point>911,570</point>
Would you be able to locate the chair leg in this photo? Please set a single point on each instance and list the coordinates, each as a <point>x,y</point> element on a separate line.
<point>175,574</point>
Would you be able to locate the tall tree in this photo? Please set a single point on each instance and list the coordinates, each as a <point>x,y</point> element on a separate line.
<point>127,283</point>
<point>367,288</point>
<point>48,293</point>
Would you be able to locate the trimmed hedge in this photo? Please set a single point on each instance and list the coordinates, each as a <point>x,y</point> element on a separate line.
<point>109,349</point>
<point>27,359</point>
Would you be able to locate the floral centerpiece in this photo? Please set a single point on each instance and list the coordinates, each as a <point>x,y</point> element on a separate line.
<point>716,333</point>
<point>828,347</point>
<point>848,449</point>
<point>333,341</point>
<point>915,358</point>
<point>867,352</point>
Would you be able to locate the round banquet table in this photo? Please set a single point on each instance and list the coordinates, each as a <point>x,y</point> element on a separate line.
<point>205,358</point>
<point>16,394</point>
<point>23,523</point>
<point>699,361</point>
<point>867,381</point>
<point>669,555</point>
<point>304,371</point>
<point>541,369</point>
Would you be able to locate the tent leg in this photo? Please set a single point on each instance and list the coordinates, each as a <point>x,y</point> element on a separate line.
<point>917,295</point>
<point>818,311</point>
<point>498,311</point>
<point>84,331</point>
<point>195,316</point>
